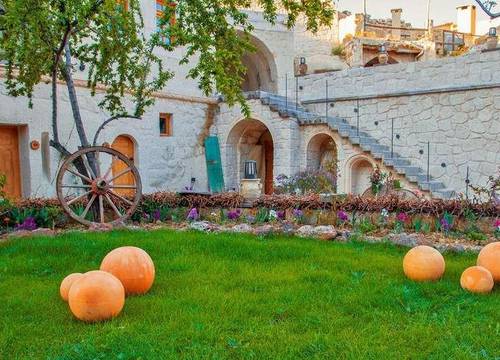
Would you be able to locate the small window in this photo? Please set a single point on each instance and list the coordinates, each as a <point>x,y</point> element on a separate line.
<point>160,10</point>
<point>122,4</point>
<point>166,125</point>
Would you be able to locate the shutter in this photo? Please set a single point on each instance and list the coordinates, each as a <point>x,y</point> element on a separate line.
<point>214,164</point>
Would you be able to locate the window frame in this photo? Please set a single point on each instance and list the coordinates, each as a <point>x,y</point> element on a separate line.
<point>168,118</point>
<point>159,15</point>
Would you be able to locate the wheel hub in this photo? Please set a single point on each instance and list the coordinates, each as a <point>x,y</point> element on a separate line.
<point>99,186</point>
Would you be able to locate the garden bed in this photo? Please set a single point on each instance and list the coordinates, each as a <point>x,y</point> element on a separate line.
<point>435,221</point>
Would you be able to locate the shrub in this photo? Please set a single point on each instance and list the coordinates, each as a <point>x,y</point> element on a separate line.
<point>365,226</point>
<point>338,50</point>
<point>307,182</point>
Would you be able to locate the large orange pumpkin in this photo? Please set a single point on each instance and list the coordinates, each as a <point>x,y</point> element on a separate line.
<point>423,263</point>
<point>133,266</point>
<point>477,279</point>
<point>489,258</point>
<point>96,296</point>
<point>66,284</point>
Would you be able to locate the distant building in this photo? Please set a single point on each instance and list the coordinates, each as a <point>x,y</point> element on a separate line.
<point>363,37</point>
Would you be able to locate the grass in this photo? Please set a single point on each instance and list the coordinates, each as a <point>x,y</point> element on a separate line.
<point>233,296</point>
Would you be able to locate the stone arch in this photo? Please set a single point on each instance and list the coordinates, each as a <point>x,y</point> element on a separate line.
<point>250,139</point>
<point>321,149</point>
<point>261,68</point>
<point>358,170</point>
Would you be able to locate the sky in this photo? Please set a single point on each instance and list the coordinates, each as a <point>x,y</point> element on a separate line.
<point>415,11</point>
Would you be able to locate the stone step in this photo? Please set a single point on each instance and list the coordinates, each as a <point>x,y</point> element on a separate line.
<point>444,194</point>
<point>414,174</point>
<point>432,185</point>
<point>409,170</point>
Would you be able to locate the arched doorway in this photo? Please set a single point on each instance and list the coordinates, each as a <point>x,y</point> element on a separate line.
<point>125,145</point>
<point>250,139</point>
<point>321,153</point>
<point>360,171</point>
<point>375,61</point>
<point>261,73</point>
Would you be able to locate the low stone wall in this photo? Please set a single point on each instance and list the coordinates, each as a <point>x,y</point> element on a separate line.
<point>451,104</point>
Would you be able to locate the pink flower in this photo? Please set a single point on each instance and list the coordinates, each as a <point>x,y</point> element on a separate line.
<point>496,224</point>
<point>402,217</point>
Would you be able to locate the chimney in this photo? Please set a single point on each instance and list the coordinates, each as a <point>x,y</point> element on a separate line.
<point>396,22</point>
<point>466,19</point>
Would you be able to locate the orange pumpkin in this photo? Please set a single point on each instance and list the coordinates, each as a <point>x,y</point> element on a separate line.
<point>96,296</point>
<point>133,266</point>
<point>66,284</point>
<point>489,258</point>
<point>477,279</point>
<point>423,263</point>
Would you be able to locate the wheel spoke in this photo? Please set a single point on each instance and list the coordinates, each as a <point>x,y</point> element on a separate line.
<point>121,197</point>
<point>98,163</point>
<point>78,174</point>
<point>108,171</point>
<point>123,172</point>
<point>76,186</point>
<point>122,186</point>
<point>85,161</point>
<point>87,208</point>
<point>101,209</point>
<point>113,206</point>
<point>78,198</point>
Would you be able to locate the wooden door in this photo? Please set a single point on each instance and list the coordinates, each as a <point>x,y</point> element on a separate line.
<point>125,145</point>
<point>9,160</point>
<point>214,164</point>
<point>269,156</point>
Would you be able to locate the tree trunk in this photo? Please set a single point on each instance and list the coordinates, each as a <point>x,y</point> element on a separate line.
<point>73,98</point>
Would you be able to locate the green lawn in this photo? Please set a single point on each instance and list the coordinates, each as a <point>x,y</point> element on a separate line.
<point>233,296</point>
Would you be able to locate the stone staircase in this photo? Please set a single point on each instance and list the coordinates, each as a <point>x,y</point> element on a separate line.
<point>400,165</point>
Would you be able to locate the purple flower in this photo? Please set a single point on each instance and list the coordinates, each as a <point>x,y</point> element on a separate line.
<point>445,225</point>
<point>342,216</point>
<point>280,214</point>
<point>193,215</point>
<point>297,213</point>
<point>28,224</point>
<point>234,214</point>
<point>250,219</point>
<point>402,217</point>
<point>156,215</point>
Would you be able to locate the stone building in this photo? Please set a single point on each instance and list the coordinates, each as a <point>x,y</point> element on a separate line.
<point>296,121</point>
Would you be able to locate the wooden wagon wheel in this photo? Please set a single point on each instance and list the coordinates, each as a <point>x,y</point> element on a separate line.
<point>90,195</point>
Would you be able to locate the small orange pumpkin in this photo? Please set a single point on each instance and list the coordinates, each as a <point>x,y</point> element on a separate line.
<point>132,266</point>
<point>66,284</point>
<point>96,296</point>
<point>424,263</point>
<point>489,258</point>
<point>477,279</point>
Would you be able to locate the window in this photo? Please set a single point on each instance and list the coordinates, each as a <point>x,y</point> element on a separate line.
<point>166,124</point>
<point>122,4</point>
<point>451,41</point>
<point>160,10</point>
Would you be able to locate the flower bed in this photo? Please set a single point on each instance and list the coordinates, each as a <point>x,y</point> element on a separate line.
<point>475,221</point>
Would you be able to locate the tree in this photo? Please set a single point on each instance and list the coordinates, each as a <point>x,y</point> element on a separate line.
<point>43,40</point>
